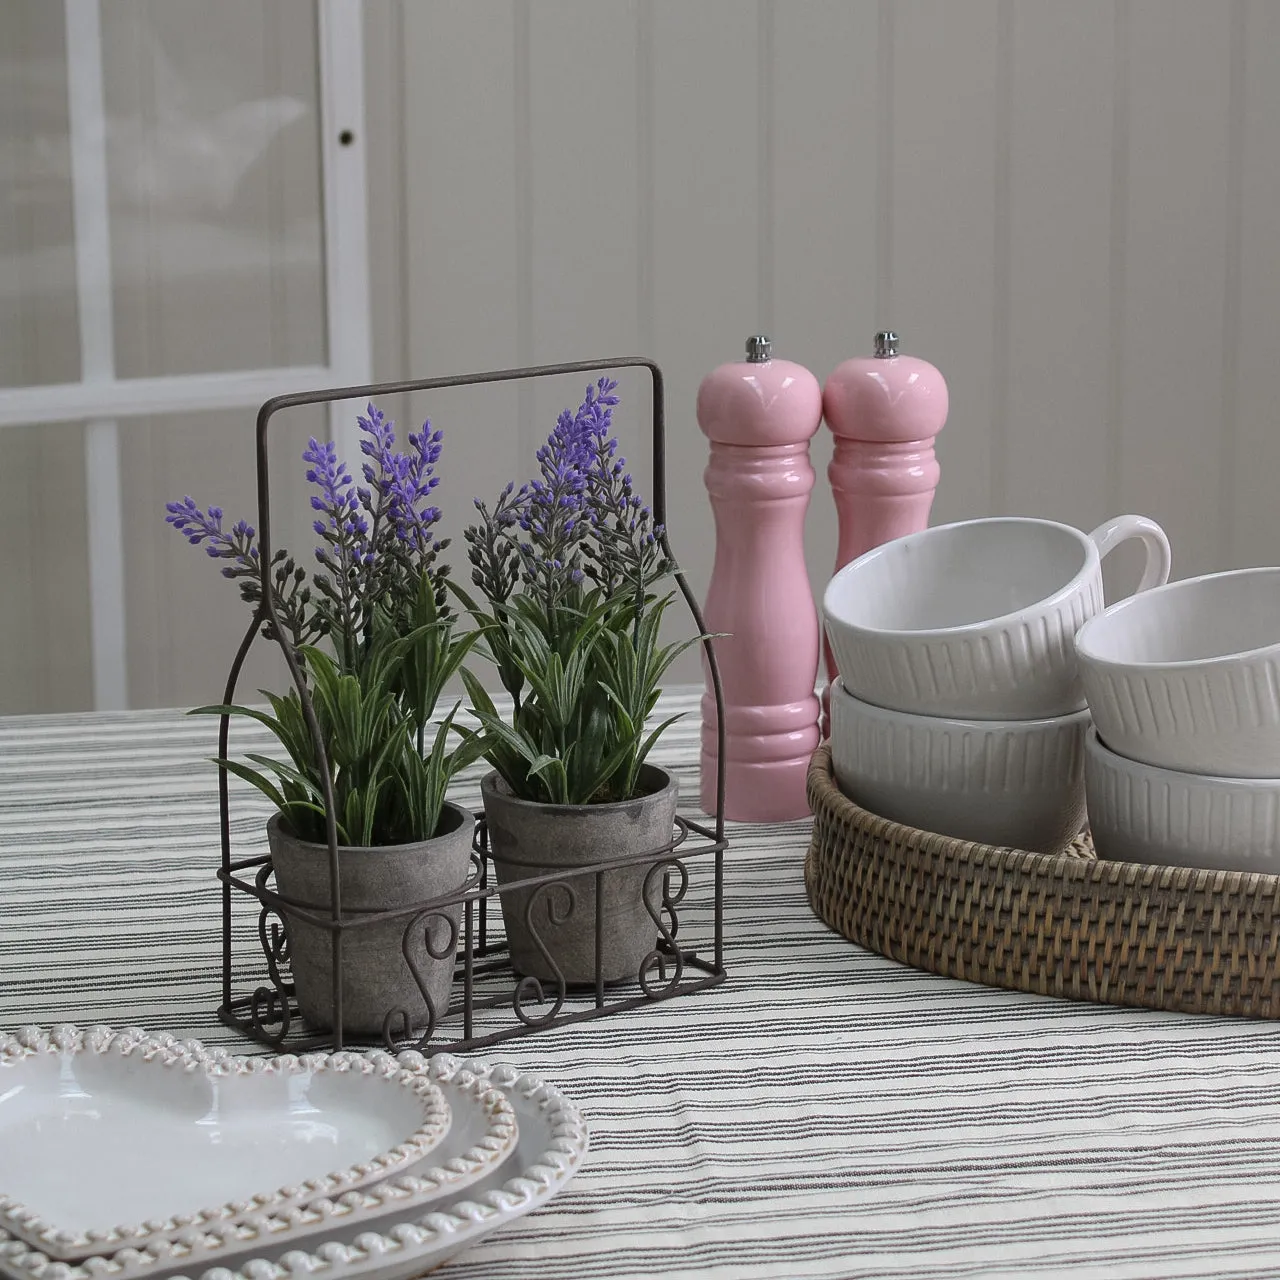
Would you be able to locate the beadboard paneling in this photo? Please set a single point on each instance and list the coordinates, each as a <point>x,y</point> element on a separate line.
<point>825,152</point>
<point>1053,371</point>
<point>582,287</point>
<point>947,126</point>
<point>467,262</point>
<point>1251,450</point>
<point>1170,344</point>
<point>706,225</point>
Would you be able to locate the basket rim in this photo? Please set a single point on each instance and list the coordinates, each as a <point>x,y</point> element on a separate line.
<point>1179,939</point>
<point>902,843</point>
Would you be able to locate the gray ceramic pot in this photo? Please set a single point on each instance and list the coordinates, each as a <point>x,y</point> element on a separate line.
<point>376,976</point>
<point>528,839</point>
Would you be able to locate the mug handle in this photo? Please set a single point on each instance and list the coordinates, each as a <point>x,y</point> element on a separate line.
<point>1118,529</point>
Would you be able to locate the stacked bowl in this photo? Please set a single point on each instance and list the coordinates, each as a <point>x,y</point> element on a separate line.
<point>960,707</point>
<point>1183,763</point>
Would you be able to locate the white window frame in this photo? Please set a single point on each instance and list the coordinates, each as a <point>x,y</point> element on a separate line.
<point>101,398</point>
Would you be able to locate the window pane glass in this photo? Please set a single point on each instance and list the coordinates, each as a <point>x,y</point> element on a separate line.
<point>184,619</point>
<point>39,334</point>
<point>214,175</point>
<point>45,662</point>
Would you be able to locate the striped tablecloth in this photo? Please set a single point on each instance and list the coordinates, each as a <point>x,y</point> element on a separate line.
<point>825,1113</point>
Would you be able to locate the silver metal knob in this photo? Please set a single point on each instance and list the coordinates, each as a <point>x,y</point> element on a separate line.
<point>886,344</point>
<point>759,348</point>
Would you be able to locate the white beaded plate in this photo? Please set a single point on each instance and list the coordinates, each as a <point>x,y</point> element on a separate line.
<point>400,1239</point>
<point>114,1139</point>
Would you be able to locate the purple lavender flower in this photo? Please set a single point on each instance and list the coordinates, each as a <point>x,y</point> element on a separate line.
<point>336,499</point>
<point>199,527</point>
<point>239,549</point>
<point>580,518</point>
<point>401,482</point>
<point>345,545</point>
<point>380,444</point>
<point>378,597</point>
<point>612,531</point>
<point>411,513</point>
<point>558,513</point>
<point>376,541</point>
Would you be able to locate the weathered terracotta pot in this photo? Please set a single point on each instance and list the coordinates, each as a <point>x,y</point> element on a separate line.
<point>528,839</point>
<point>376,977</point>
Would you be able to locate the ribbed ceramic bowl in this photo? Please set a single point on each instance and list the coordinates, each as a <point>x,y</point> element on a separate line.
<point>977,619</point>
<point>1138,813</point>
<point>1018,783</point>
<point>1187,676</point>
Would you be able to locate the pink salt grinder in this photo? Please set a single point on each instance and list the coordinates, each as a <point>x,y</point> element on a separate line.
<point>885,411</point>
<point>760,416</point>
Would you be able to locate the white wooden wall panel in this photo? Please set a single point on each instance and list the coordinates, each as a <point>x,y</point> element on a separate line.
<point>1069,207</point>
<point>583,233</point>
<point>1055,366</point>
<point>462,217</point>
<point>386,130</point>
<point>1171,341</point>
<point>581,175</point>
<point>825,155</point>
<point>1252,452</point>
<point>1037,195</point>
<point>706,226</point>
<point>946,128</point>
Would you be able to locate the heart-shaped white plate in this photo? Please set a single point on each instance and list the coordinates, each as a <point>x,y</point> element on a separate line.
<point>113,1139</point>
<point>402,1238</point>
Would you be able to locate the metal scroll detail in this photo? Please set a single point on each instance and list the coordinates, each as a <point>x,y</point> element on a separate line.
<point>398,1025</point>
<point>270,1016</point>
<point>666,919</point>
<point>529,990</point>
<point>489,1003</point>
<point>270,1008</point>
<point>273,934</point>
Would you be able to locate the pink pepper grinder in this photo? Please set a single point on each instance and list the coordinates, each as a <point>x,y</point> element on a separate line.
<point>885,411</point>
<point>760,416</point>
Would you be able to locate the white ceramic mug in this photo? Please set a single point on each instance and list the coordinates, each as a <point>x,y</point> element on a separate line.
<point>1187,677</point>
<point>1167,818</point>
<point>978,619</point>
<point>1004,782</point>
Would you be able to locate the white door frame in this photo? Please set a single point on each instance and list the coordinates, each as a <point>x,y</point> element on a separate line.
<point>100,398</point>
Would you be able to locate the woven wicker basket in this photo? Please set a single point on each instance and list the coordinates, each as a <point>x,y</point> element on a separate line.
<point>1054,924</point>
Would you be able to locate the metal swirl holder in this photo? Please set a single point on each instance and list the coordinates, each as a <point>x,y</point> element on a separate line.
<point>494,1004</point>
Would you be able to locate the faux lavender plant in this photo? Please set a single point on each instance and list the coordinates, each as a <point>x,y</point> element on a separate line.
<point>568,566</point>
<point>378,602</point>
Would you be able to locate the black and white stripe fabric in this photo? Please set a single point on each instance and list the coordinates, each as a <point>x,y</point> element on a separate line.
<point>824,1113</point>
